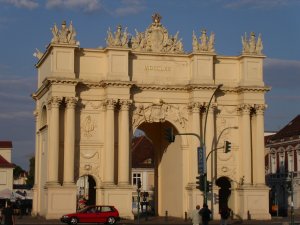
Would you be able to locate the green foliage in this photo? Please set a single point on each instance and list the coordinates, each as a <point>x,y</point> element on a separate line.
<point>30,180</point>
<point>17,171</point>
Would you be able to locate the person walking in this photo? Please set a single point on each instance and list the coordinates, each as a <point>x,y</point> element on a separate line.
<point>225,213</point>
<point>206,214</point>
<point>8,214</point>
<point>196,218</point>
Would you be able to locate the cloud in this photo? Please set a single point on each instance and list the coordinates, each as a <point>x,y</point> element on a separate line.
<point>129,7</point>
<point>256,4</point>
<point>27,4</point>
<point>85,5</point>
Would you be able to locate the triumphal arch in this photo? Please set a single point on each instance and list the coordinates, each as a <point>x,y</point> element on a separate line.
<point>90,102</point>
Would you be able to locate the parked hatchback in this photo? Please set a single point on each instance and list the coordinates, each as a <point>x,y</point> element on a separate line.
<point>93,214</point>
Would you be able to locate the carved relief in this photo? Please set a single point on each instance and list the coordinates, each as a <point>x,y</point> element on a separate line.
<point>158,112</point>
<point>118,39</point>
<point>88,126</point>
<point>251,46</point>
<point>206,44</point>
<point>260,108</point>
<point>66,35</point>
<point>156,39</point>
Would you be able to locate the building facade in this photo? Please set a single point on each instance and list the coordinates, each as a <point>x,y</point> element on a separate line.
<point>283,167</point>
<point>6,168</point>
<point>89,103</point>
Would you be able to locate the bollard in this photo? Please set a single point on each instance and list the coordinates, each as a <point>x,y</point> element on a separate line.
<point>185,216</point>
<point>166,215</point>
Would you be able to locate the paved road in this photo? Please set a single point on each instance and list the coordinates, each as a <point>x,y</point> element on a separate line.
<point>28,220</point>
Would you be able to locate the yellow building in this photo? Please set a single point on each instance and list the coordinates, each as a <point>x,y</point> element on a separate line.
<point>6,169</point>
<point>89,102</point>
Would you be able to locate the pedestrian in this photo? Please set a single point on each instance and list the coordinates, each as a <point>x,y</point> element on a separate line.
<point>225,213</point>
<point>8,214</point>
<point>206,214</point>
<point>196,218</point>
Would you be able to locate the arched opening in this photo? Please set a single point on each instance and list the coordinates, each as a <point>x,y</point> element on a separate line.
<point>86,191</point>
<point>224,192</point>
<point>168,170</point>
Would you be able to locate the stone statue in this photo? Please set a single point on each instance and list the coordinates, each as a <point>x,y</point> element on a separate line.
<point>195,43</point>
<point>38,54</point>
<point>206,44</point>
<point>118,39</point>
<point>156,39</point>
<point>251,46</point>
<point>66,35</point>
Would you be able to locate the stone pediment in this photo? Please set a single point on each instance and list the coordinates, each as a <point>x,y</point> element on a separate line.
<point>156,39</point>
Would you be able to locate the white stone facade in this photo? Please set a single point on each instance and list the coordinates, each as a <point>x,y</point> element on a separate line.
<point>89,102</point>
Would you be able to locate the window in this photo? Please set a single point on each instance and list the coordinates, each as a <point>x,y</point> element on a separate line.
<point>273,163</point>
<point>135,178</point>
<point>290,162</point>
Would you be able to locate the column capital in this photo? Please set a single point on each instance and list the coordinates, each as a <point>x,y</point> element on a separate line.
<point>212,107</point>
<point>110,103</point>
<point>244,108</point>
<point>260,108</point>
<point>71,102</point>
<point>54,101</point>
<point>195,107</point>
<point>125,104</point>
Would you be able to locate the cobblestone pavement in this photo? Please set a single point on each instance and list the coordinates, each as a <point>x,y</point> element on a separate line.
<point>28,220</point>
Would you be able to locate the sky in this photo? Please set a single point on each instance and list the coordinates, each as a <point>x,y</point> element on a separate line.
<point>25,25</point>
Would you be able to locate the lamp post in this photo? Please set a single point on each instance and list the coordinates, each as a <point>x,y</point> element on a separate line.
<point>203,140</point>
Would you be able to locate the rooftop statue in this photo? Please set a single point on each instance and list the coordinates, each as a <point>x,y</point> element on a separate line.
<point>156,39</point>
<point>206,44</point>
<point>38,54</point>
<point>118,39</point>
<point>251,46</point>
<point>66,35</point>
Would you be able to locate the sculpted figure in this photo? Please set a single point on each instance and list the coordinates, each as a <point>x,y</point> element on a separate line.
<point>211,42</point>
<point>66,35</point>
<point>195,43</point>
<point>118,39</point>
<point>252,46</point>
<point>203,39</point>
<point>38,54</point>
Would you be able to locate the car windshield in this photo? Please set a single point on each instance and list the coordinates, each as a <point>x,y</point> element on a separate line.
<point>84,210</point>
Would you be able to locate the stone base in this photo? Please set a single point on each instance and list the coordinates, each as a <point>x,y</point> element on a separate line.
<point>118,196</point>
<point>60,200</point>
<point>253,202</point>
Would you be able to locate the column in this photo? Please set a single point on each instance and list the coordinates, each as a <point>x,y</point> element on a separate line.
<point>124,144</point>
<point>37,149</point>
<point>246,143</point>
<point>69,146</point>
<point>54,142</point>
<point>195,108</point>
<point>109,142</point>
<point>258,152</point>
<point>210,125</point>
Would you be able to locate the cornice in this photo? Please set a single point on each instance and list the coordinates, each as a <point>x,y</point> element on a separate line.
<point>243,89</point>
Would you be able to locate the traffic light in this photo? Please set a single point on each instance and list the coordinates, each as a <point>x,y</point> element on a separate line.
<point>169,135</point>
<point>200,182</point>
<point>227,146</point>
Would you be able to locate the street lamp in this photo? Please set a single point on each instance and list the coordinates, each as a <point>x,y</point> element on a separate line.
<point>203,140</point>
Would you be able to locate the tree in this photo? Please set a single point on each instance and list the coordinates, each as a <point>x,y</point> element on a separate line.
<point>30,180</point>
<point>17,171</point>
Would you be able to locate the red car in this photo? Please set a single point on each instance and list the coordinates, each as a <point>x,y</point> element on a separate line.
<point>93,214</point>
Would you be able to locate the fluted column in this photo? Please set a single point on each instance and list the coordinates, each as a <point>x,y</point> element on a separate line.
<point>258,151</point>
<point>124,144</point>
<point>195,109</point>
<point>109,142</point>
<point>37,149</point>
<point>69,148</point>
<point>246,143</point>
<point>53,157</point>
<point>209,138</point>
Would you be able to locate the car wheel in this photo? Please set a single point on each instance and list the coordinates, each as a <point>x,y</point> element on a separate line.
<point>73,221</point>
<point>111,220</point>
